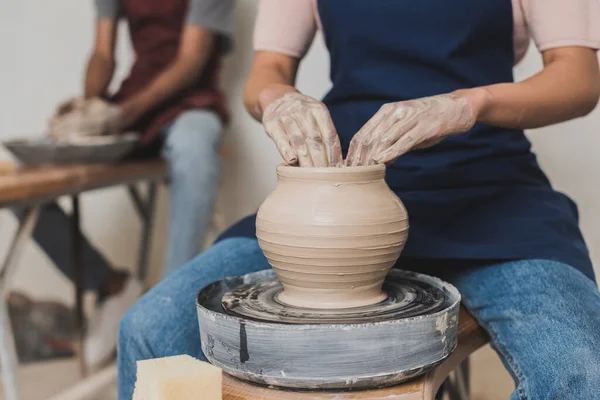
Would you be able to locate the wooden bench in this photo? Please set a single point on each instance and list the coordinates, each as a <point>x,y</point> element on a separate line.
<point>30,188</point>
<point>470,338</point>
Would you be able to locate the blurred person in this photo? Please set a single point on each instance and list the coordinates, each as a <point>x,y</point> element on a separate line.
<point>172,98</point>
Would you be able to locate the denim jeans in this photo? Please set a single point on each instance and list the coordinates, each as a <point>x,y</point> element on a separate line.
<point>191,150</point>
<point>543,317</point>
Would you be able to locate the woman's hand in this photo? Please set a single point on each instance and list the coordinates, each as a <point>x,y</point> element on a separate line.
<point>302,129</point>
<point>300,126</point>
<point>398,128</point>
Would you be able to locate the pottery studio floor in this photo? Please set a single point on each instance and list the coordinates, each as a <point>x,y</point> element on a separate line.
<point>40,381</point>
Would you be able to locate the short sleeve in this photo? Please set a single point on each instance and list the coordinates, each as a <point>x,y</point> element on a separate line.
<point>215,15</point>
<point>109,9</point>
<point>285,26</point>
<point>560,23</point>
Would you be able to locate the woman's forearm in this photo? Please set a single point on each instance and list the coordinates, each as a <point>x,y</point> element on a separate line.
<point>299,125</point>
<point>98,76</point>
<point>272,76</point>
<point>567,88</point>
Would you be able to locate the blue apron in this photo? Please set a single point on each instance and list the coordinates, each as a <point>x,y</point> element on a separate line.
<point>476,196</point>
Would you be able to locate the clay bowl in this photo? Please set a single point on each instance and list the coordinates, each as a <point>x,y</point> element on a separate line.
<point>332,235</point>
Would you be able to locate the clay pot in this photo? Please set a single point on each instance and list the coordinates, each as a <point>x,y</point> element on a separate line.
<point>332,234</point>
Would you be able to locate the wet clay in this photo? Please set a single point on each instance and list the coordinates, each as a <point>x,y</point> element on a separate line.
<point>332,234</point>
<point>84,118</point>
<point>406,297</point>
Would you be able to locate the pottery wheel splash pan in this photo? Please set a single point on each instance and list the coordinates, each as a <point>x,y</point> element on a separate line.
<point>46,151</point>
<point>259,301</point>
<point>250,335</point>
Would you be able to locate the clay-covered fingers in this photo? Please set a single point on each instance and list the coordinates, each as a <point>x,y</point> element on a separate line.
<point>61,113</point>
<point>114,121</point>
<point>329,136</point>
<point>376,134</point>
<point>93,117</point>
<point>408,141</point>
<point>277,133</point>
<point>395,140</point>
<point>298,140</point>
<point>314,141</point>
<point>69,105</point>
<point>428,143</point>
<point>303,132</point>
<point>361,142</point>
<point>398,128</point>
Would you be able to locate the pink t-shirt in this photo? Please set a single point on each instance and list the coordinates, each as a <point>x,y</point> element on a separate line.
<point>289,26</point>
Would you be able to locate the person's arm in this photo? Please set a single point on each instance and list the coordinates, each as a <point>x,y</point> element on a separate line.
<point>283,33</point>
<point>299,125</point>
<point>568,87</point>
<point>567,33</point>
<point>194,51</point>
<point>271,77</point>
<point>101,65</point>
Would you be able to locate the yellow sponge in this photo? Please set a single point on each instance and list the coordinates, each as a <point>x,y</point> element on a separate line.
<point>177,378</point>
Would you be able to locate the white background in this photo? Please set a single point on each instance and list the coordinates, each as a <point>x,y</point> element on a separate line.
<point>43,49</point>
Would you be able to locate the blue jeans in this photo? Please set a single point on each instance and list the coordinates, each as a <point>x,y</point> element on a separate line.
<point>543,317</point>
<point>191,150</point>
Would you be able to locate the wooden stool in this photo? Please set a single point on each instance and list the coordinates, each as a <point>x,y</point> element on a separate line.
<point>470,338</point>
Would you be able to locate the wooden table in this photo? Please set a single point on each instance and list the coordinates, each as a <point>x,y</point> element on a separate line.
<point>30,188</point>
<point>470,338</point>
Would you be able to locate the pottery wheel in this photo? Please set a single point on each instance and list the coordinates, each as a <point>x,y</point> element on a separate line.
<point>249,334</point>
<point>259,301</point>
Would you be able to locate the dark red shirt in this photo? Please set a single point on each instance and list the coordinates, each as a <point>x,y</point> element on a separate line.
<point>155,28</point>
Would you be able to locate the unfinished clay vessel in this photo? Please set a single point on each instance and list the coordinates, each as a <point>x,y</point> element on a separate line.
<point>332,234</point>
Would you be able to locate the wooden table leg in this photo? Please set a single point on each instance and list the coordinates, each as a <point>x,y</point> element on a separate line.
<point>9,361</point>
<point>145,211</point>
<point>79,274</point>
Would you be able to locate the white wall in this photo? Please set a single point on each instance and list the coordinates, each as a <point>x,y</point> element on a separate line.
<point>44,45</point>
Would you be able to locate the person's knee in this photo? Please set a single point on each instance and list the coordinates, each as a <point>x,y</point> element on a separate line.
<point>565,322</point>
<point>576,371</point>
<point>169,309</point>
<point>132,324</point>
<point>194,138</point>
<point>529,287</point>
<point>544,315</point>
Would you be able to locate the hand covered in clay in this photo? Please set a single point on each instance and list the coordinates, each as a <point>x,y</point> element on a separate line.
<point>303,131</point>
<point>69,105</point>
<point>83,118</point>
<point>398,128</point>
